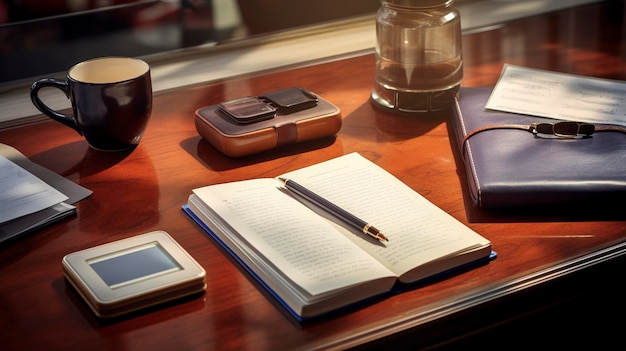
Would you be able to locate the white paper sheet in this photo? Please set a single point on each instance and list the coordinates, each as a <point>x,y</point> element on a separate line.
<point>560,96</point>
<point>22,193</point>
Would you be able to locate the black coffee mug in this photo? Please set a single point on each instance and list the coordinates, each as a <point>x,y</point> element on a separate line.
<point>111,99</point>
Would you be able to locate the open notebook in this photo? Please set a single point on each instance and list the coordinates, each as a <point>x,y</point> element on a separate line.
<point>315,264</point>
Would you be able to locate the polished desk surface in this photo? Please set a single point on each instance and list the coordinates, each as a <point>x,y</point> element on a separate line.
<point>143,190</point>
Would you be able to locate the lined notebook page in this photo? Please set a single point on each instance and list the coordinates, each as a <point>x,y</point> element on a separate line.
<point>418,231</point>
<point>307,250</point>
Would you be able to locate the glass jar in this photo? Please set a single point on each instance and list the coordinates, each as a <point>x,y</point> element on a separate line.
<point>419,64</point>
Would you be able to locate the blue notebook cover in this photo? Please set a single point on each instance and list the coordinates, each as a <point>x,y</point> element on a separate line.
<point>398,288</point>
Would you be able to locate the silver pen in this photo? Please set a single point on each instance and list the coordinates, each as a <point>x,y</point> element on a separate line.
<point>333,209</point>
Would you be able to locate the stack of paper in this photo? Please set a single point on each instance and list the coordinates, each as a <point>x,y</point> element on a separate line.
<point>32,196</point>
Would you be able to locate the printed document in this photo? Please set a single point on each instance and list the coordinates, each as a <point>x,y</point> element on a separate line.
<point>560,96</point>
<point>21,193</point>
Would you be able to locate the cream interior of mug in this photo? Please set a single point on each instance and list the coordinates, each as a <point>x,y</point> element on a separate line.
<point>108,70</point>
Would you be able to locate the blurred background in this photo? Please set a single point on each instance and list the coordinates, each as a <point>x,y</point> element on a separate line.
<point>43,36</point>
<point>192,41</point>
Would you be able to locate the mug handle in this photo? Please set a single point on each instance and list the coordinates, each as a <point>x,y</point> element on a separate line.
<point>69,121</point>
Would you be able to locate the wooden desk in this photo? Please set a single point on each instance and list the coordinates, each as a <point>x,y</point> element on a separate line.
<point>545,259</point>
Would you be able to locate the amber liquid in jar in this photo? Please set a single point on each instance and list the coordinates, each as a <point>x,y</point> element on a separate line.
<point>419,64</point>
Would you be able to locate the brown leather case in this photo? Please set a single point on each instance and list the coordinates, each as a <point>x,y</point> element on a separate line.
<point>285,127</point>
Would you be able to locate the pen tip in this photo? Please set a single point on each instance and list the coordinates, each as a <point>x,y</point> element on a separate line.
<point>381,237</point>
